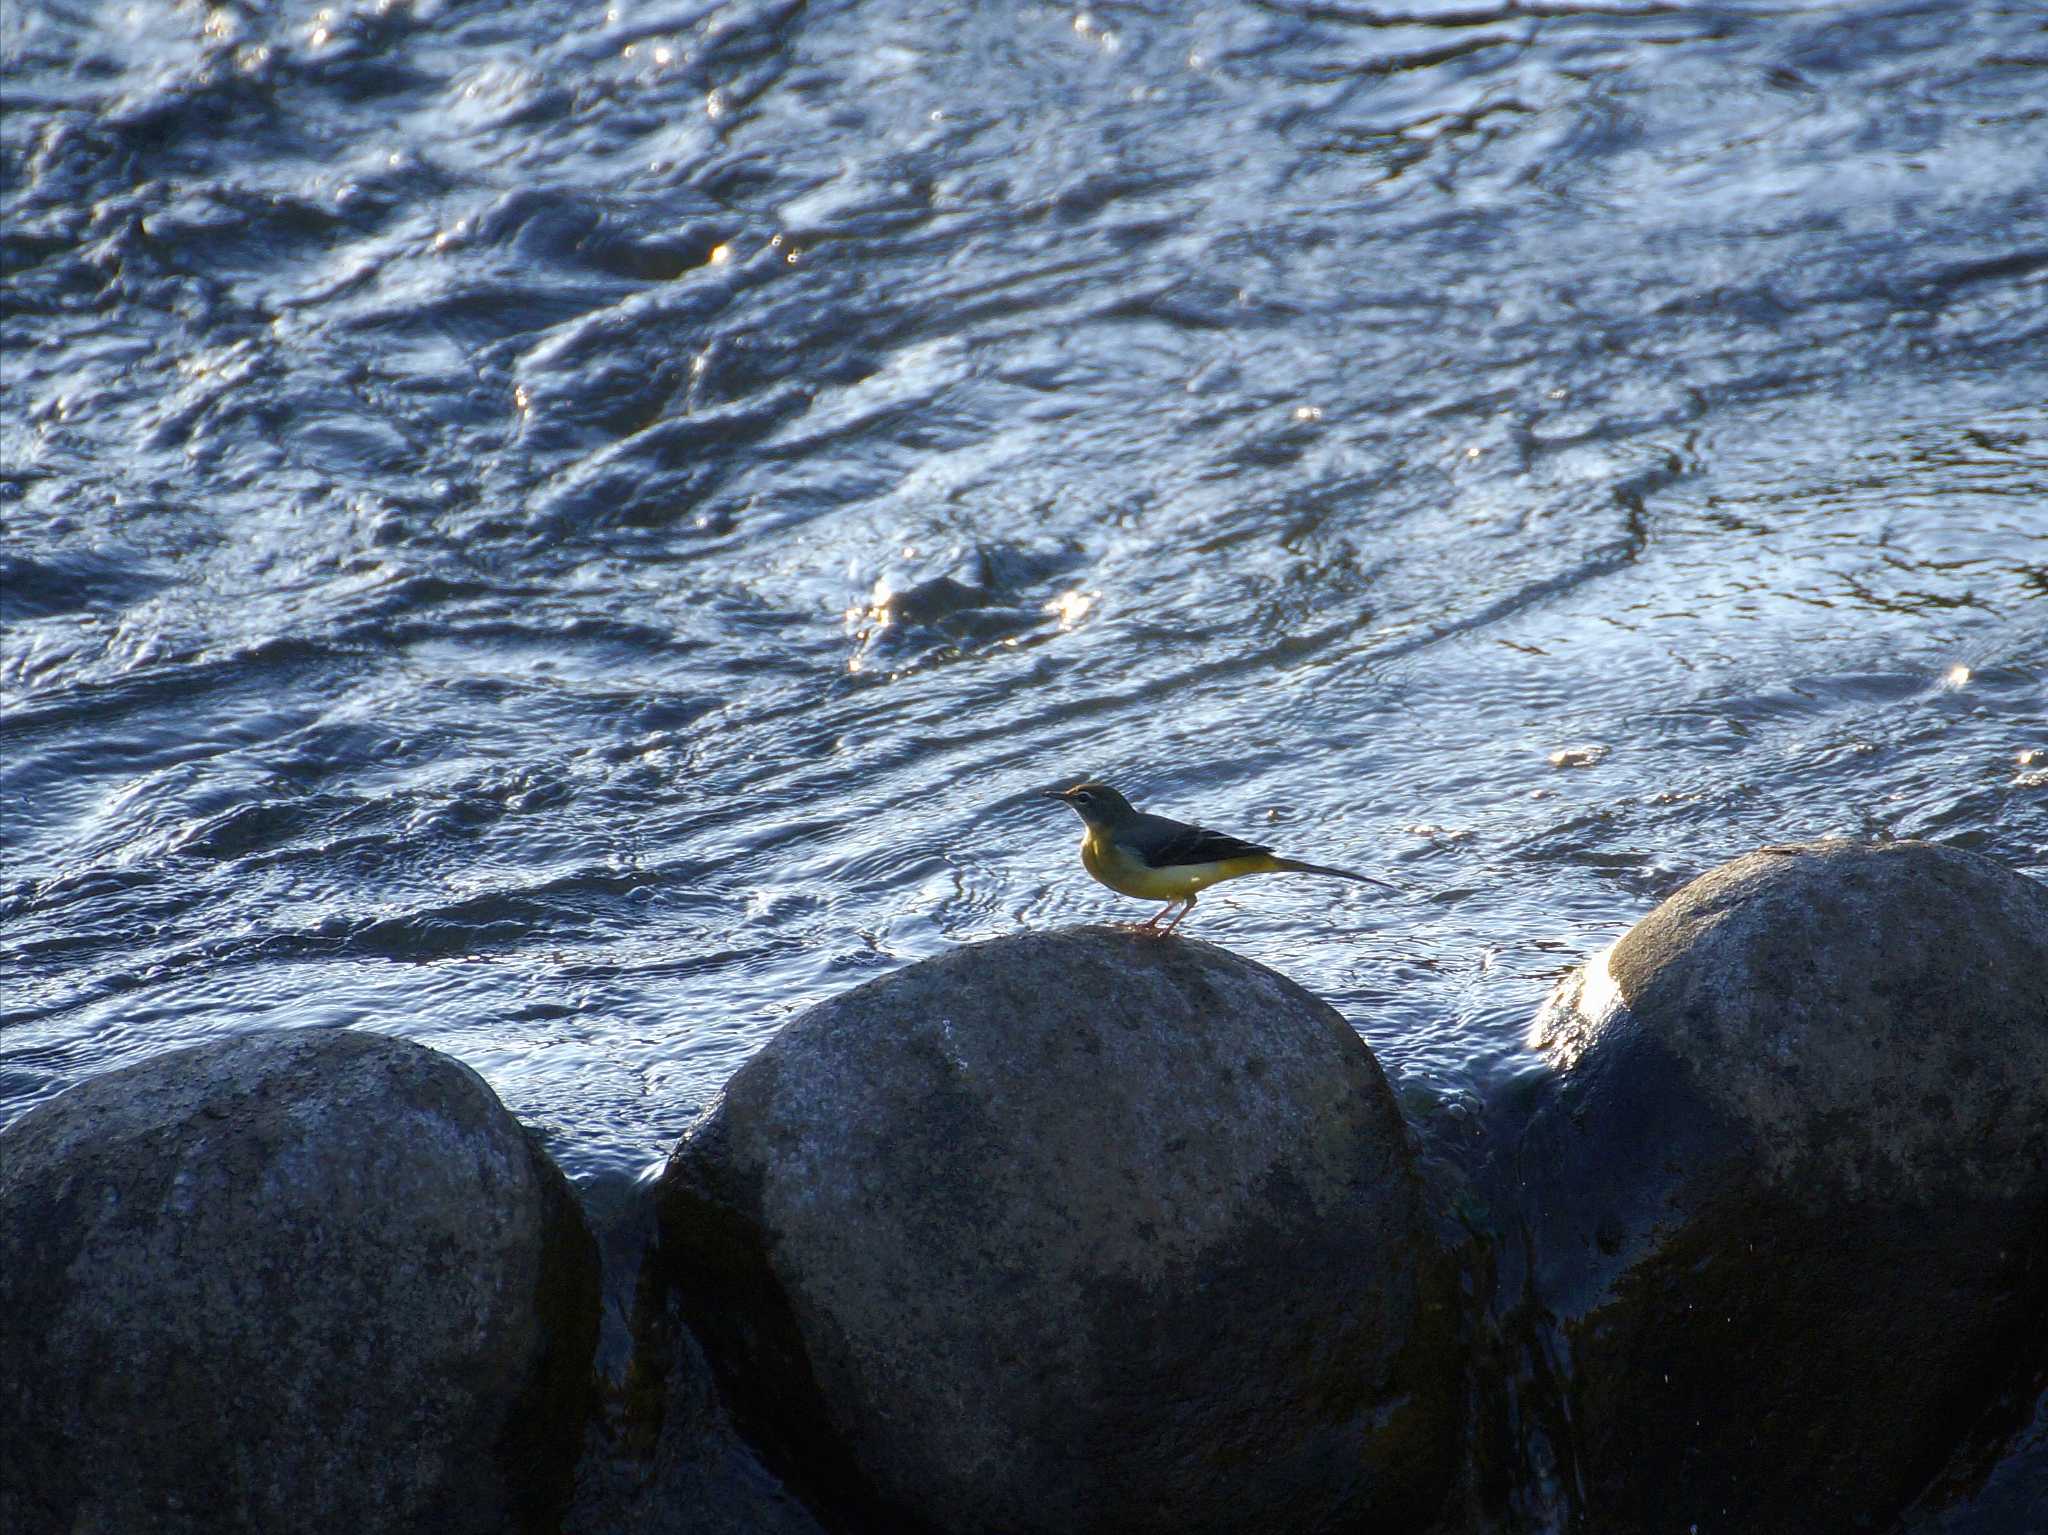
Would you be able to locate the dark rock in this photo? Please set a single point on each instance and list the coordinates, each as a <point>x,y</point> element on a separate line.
<point>1082,1230</point>
<point>693,1475</point>
<point>316,1280</point>
<point>1790,1198</point>
<point>1997,1481</point>
<point>663,1456</point>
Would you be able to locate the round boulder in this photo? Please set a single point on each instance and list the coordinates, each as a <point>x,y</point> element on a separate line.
<point>1790,1193</point>
<point>314,1280</point>
<point>1079,1230</point>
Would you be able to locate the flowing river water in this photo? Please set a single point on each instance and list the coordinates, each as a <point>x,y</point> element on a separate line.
<point>568,532</point>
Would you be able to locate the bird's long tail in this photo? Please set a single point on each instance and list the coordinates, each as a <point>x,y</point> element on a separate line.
<point>1293,866</point>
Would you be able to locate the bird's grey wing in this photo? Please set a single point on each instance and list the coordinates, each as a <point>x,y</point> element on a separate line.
<point>1163,844</point>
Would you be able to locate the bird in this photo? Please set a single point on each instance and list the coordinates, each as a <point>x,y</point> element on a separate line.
<point>1155,859</point>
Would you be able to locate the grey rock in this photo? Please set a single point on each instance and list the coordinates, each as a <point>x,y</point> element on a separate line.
<point>316,1280</point>
<point>1081,1230</point>
<point>1790,1198</point>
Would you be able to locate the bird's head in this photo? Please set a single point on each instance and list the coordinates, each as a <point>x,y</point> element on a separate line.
<point>1096,803</point>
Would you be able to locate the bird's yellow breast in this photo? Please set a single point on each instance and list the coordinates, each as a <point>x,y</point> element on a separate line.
<point>1130,875</point>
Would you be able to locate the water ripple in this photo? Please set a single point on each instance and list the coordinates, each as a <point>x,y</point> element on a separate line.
<point>569,535</point>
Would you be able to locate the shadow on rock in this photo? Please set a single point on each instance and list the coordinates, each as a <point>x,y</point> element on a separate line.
<point>1073,1231</point>
<point>1789,1195</point>
<point>316,1280</point>
<point>663,1456</point>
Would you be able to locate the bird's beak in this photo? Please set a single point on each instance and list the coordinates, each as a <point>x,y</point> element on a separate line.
<point>1055,793</point>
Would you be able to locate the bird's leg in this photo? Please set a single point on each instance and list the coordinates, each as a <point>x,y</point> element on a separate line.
<point>1176,922</point>
<point>1153,921</point>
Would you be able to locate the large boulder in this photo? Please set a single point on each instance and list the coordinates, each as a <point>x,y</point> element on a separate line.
<point>1079,1230</point>
<point>315,1280</point>
<point>1790,1196</point>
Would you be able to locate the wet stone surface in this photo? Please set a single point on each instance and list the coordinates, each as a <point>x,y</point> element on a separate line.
<point>1796,1165</point>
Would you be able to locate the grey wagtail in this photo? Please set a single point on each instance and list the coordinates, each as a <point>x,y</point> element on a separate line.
<point>1155,859</point>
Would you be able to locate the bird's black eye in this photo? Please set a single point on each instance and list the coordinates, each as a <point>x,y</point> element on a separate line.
<point>1084,796</point>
